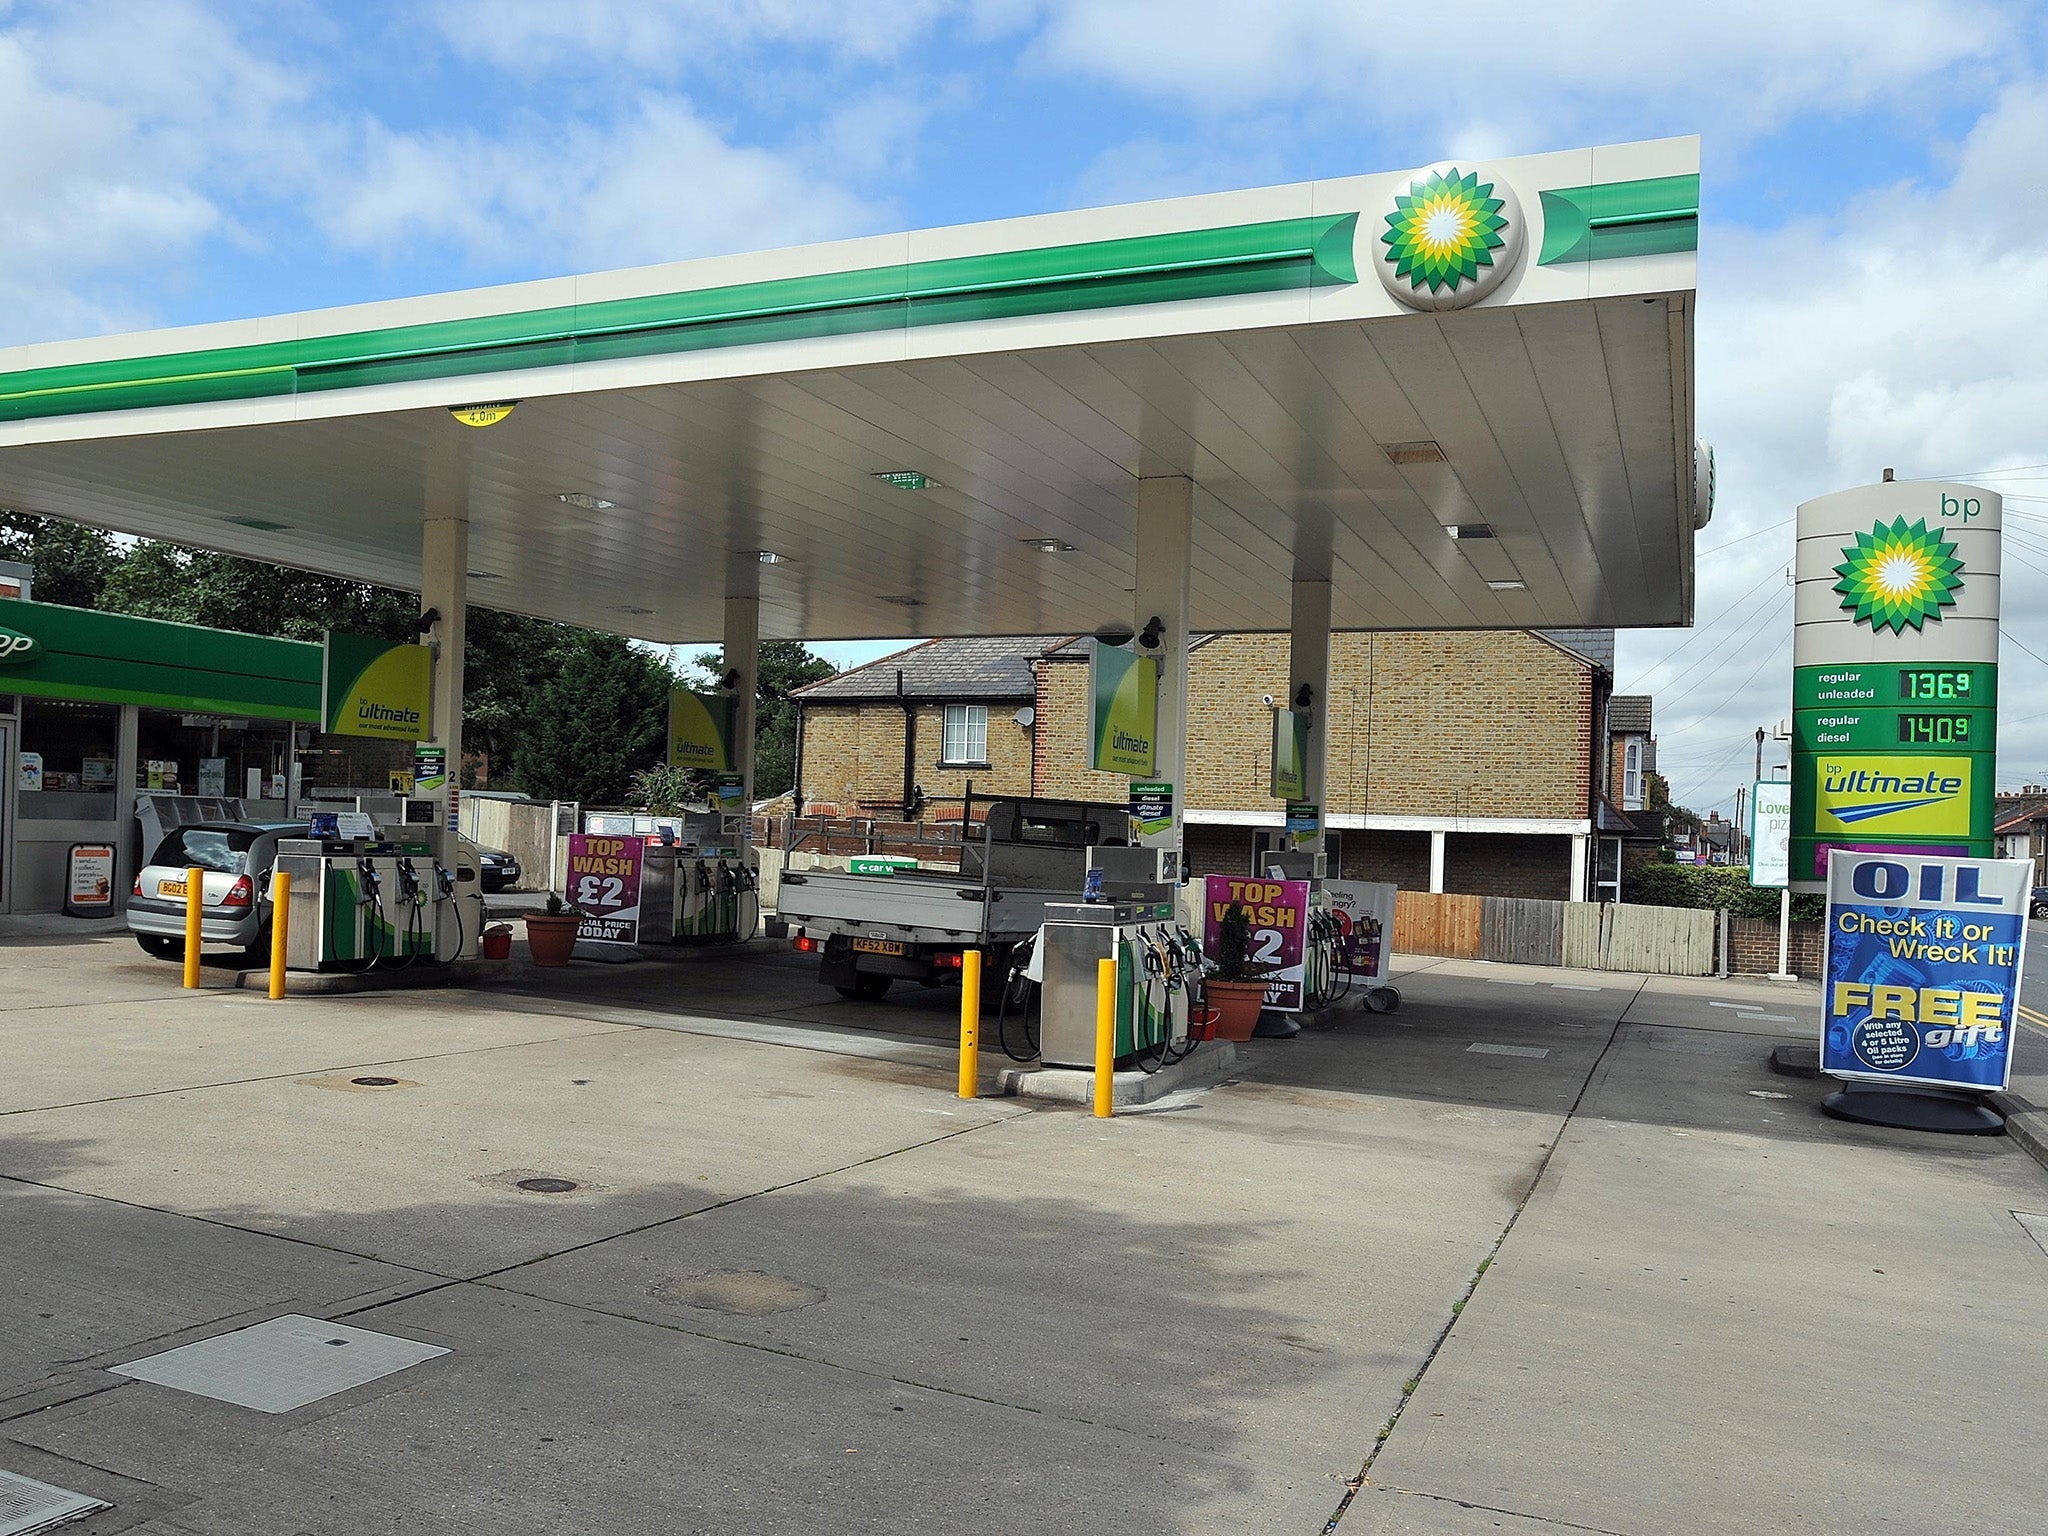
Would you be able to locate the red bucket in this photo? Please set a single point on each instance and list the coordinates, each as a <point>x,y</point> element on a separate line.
<point>1202,1023</point>
<point>497,942</point>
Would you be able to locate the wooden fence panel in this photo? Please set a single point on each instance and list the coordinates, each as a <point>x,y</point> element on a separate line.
<point>1665,941</point>
<point>1584,935</point>
<point>1522,930</point>
<point>1430,924</point>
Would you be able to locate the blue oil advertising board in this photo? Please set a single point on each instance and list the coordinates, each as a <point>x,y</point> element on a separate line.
<point>1923,968</point>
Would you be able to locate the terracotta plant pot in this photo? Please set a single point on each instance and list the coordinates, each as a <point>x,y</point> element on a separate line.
<point>1237,1005</point>
<point>551,938</point>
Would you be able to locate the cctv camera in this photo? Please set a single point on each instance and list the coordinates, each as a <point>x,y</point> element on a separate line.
<point>1267,700</point>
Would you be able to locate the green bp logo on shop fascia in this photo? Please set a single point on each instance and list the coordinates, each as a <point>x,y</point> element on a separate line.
<point>1448,237</point>
<point>1898,575</point>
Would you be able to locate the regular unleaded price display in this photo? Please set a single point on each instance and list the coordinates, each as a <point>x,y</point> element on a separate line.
<point>1895,674</point>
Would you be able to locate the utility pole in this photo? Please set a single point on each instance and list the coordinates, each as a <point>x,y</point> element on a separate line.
<point>1759,752</point>
<point>1736,839</point>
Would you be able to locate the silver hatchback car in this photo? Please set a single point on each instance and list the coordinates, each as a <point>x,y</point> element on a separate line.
<point>236,859</point>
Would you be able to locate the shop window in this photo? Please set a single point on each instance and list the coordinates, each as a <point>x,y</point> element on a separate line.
<point>66,761</point>
<point>965,744</point>
<point>211,755</point>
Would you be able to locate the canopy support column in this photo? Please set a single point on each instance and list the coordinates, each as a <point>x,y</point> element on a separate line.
<point>1308,690</point>
<point>1166,512</point>
<point>444,591</point>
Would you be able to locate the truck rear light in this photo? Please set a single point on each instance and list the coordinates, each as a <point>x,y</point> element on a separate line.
<point>240,894</point>
<point>804,944</point>
<point>947,960</point>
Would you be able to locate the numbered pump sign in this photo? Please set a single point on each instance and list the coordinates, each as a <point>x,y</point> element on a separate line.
<point>1278,910</point>
<point>1923,970</point>
<point>1894,674</point>
<point>604,881</point>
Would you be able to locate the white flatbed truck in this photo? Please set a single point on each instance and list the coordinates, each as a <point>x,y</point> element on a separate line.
<point>872,930</point>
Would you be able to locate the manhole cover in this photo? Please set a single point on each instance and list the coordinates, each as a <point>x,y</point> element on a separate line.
<point>546,1186</point>
<point>27,1505</point>
<point>742,1292</point>
<point>280,1365</point>
<point>375,1082</point>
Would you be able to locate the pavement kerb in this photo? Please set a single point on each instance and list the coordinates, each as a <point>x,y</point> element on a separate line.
<point>2026,1125</point>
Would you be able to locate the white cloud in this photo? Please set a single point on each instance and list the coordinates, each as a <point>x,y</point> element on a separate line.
<point>1904,334</point>
<point>1505,71</point>
<point>128,131</point>
<point>672,37</point>
<point>659,185</point>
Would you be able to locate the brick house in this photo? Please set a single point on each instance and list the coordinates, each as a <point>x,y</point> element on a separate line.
<point>924,724</point>
<point>1469,762</point>
<point>2021,829</point>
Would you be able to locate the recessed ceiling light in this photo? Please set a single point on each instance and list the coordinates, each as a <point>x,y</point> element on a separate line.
<point>1508,586</point>
<point>769,557</point>
<point>904,600</point>
<point>482,415</point>
<point>585,500</point>
<point>1427,451</point>
<point>639,613</point>
<point>1049,546</point>
<point>1469,530</point>
<point>906,479</point>
<point>483,576</point>
<point>262,524</point>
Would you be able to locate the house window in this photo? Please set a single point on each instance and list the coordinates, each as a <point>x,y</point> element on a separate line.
<point>1632,775</point>
<point>966,736</point>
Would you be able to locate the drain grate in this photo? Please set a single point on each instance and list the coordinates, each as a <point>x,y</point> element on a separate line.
<point>1483,1048</point>
<point>280,1365</point>
<point>27,1506</point>
<point>375,1082</point>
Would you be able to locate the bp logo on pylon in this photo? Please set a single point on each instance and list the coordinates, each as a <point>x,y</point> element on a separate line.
<point>1446,238</point>
<point>1898,575</point>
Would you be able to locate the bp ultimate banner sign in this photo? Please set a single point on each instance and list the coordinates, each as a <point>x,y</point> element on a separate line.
<point>371,687</point>
<point>1923,968</point>
<point>1894,674</point>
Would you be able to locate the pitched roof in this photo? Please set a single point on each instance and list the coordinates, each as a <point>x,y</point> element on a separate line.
<point>1628,714</point>
<point>1596,645</point>
<point>987,667</point>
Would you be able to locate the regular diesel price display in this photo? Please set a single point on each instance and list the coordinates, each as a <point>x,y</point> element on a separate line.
<point>1934,730</point>
<point>1927,685</point>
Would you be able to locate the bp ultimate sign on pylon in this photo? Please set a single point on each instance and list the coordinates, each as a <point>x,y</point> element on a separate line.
<point>1894,674</point>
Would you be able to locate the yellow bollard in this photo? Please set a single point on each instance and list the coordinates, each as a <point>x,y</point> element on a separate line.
<point>1105,1037</point>
<point>280,925</point>
<point>195,898</point>
<point>970,1024</point>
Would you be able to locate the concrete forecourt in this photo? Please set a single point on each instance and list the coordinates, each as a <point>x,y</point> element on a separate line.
<point>799,1286</point>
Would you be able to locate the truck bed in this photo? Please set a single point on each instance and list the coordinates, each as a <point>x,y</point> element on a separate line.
<point>915,906</point>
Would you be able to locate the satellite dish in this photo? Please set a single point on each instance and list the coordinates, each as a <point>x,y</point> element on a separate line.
<point>1026,717</point>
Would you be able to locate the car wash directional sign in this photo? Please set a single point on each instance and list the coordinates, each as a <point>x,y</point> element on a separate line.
<point>1894,674</point>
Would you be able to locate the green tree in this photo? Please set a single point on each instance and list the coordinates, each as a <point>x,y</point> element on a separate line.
<point>72,563</point>
<point>783,667</point>
<point>197,586</point>
<point>599,718</point>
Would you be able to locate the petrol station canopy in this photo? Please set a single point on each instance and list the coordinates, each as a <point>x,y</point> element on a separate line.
<point>1463,395</point>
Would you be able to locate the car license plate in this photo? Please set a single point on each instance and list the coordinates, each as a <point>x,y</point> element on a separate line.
<point>171,888</point>
<point>878,946</point>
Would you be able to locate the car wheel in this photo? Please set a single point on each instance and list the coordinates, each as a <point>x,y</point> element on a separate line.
<point>157,947</point>
<point>2041,909</point>
<point>257,956</point>
<point>865,989</point>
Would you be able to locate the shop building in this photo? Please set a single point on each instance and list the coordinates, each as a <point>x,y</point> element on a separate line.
<point>98,708</point>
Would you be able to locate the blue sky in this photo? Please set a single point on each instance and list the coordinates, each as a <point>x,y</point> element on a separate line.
<point>1874,289</point>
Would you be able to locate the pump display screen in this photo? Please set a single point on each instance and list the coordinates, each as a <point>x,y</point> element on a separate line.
<point>1934,730</point>
<point>1925,685</point>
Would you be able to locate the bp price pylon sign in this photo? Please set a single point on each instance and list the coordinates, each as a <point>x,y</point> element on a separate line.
<point>1894,674</point>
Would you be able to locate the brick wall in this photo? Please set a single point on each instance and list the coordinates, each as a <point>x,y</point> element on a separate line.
<point>1217,851</point>
<point>1394,858</point>
<point>1508,864</point>
<point>1420,723</point>
<point>853,752</point>
<point>1753,947</point>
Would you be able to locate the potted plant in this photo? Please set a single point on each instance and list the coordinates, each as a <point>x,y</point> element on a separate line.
<point>551,932</point>
<point>1235,984</point>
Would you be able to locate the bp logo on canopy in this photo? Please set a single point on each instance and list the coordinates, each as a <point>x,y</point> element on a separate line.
<point>1447,238</point>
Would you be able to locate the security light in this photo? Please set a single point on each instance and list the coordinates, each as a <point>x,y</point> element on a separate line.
<point>429,619</point>
<point>1113,633</point>
<point>1154,628</point>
